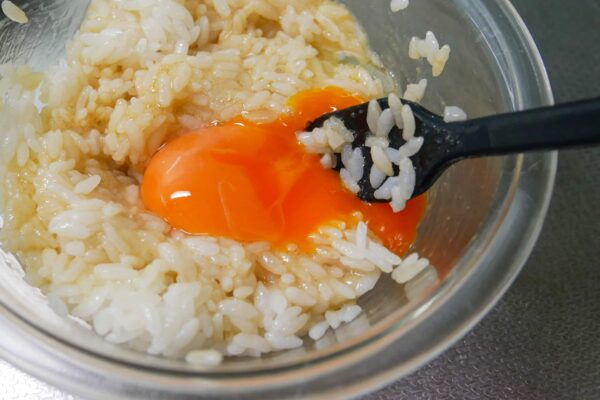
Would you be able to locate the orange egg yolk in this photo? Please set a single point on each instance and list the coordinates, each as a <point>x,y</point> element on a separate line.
<point>255,182</point>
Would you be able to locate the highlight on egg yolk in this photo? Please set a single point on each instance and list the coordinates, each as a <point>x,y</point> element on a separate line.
<point>254,182</point>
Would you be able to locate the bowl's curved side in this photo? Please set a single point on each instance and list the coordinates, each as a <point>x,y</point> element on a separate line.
<point>507,254</point>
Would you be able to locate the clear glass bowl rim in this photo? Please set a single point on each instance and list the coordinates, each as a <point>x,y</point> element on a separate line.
<point>84,373</point>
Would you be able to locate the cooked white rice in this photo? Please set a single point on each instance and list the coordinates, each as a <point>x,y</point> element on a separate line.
<point>429,48</point>
<point>137,71</point>
<point>454,114</point>
<point>399,5</point>
<point>415,91</point>
<point>396,189</point>
<point>13,12</point>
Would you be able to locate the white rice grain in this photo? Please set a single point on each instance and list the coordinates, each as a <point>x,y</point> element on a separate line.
<point>333,318</point>
<point>396,107</point>
<point>300,297</point>
<point>454,114</point>
<point>22,154</point>
<point>413,48</point>
<point>346,248</point>
<point>114,272</point>
<point>385,191</point>
<point>237,308</point>
<point>318,330</point>
<point>376,177</point>
<point>278,302</point>
<point>76,248</point>
<point>398,5</point>
<point>342,289</point>
<point>385,123</point>
<point>409,268</point>
<point>222,7</point>
<point>372,141</point>
<point>367,282</point>
<point>288,279</point>
<point>350,312</point>
<point>204,34</point>
<point>398,202</point>
<point>409,149</point>
<point>373,114</point>
<point>283,342</point>
<point>272,263</point>
<point>328,161</point>
<point>408,119</point>
<point>358,264</point>
<point>13,12</point>
<point>429,48</point>
<point>416,91</point>
<point>356,164</point>
<point>361,238</point>
<point>87,185</point>
<point>243,292</point>
<point>202,247</point>
<point>335,139</point>
<point>439,60</point>
<point>381,161</point>
<point>349,182</point>
<point>251,342</point>
<point>382,257</point>
<point>204,358</point>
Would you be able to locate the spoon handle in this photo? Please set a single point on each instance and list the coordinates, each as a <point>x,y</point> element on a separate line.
<point>548,128</point>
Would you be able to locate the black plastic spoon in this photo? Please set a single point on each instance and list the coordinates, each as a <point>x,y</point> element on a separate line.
<point>548,128</point>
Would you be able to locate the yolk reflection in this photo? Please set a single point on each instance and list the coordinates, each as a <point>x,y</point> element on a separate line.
<point>252,182</point>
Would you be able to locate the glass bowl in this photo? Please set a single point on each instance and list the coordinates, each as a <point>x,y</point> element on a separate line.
<point>483,220</point>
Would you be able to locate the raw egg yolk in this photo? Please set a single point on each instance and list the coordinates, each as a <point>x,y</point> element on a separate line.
<point>255,182</point>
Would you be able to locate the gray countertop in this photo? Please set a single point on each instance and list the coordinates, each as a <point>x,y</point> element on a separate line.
<point>542,340</point>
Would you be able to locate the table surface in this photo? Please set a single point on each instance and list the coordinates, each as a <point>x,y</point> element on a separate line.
<point>541,341</point>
